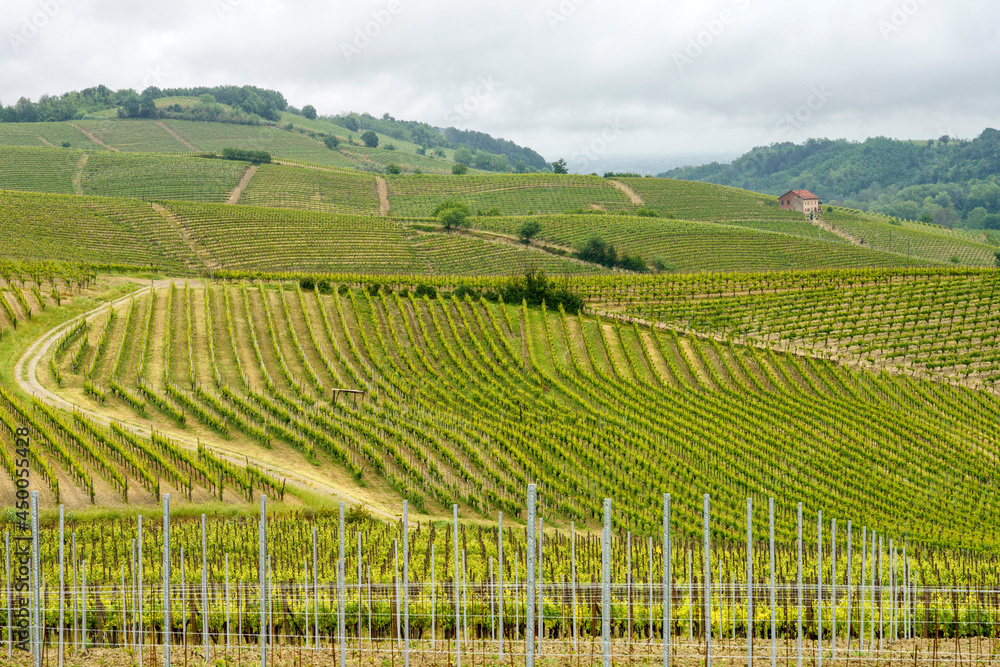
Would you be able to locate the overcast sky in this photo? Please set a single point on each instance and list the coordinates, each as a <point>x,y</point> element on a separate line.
<point>580,79</point>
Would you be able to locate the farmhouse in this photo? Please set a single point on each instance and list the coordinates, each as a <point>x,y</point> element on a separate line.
<point>802,201</point>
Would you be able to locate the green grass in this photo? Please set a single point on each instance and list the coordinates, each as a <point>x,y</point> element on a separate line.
<point>160,177</point>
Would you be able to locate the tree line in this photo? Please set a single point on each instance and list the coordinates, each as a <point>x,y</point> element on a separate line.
<point>947,181</point>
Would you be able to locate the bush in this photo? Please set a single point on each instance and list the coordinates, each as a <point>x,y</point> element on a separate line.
<point>646,213</point>
<point>324,287</point>
<point>343,290</point>
<point>492,212</point>
<point>633,263</point>
<point>65,144</point>
<point>663,265</point>
<point>370,139</point>
<point>331,142</point>
<point>393,169</point>
<point>426,290</point>
<point>459,169</point>
<point>535,288</point>
<point>257,157</point>
<point>308,284</point>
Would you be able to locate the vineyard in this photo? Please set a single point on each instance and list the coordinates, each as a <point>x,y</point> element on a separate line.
<point>416,196</point>
<point>140,136</point>
<point>38,169</point>
<point>701,246</point>
<point>326,191</point>
<point>469,400</point>
<point>90,230</point>
<point>446,254</point>
<point>912,240</point>
<point>160,177</point>
<point>942,324</point>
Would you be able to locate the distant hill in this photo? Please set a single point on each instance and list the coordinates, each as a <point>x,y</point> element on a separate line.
<point>948,182</point>
<point>249,105</point>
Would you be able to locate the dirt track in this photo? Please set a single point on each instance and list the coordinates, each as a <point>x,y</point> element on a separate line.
<point>26,376</point>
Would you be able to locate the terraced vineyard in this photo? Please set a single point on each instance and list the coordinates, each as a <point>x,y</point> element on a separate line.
<point>142,136</point>
<point>912,240</point>
<point>469,400</point>
<point>243,237</point>
<point>416,196</point>
<point>160,177</point>
<point>938,323</point>
<point>699,246</point>
<point>45,134</point>
<point>93,230</point>
<point>313,190</point>
<point>38,169</point>
<point>447,254</point>
<point>693,200</point>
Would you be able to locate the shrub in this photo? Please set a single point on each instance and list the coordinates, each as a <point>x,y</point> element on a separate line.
<point>393,169</point>
<point>459,169</point>
<point>370,139</point>
<point>331,142</point>
<point>646,213</point>
<point>426,290</point>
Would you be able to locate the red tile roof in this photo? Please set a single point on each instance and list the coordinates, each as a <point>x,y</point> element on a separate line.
<point>801,194</point>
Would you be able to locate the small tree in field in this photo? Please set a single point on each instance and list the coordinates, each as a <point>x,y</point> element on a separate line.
<point>528,229</point>
<point>459,169</point>
<point>393,169</point>
<point>452,214</point>
<point>309,111</point>
<point>559,167</point>
<point>370,139</point>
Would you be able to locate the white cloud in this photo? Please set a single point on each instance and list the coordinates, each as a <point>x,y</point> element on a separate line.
<point>563,68</point>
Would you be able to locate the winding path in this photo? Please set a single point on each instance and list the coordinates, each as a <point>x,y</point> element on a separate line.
<point>26,376</point>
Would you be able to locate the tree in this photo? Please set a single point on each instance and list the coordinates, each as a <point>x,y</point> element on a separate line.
<point>393,169</point>
<point>370,139</point>
<point>452,214</point>
<point>309,111</point>
<point>464,156</point>
<point>459,169</point>
<point>559,167</point>
<point>351,123</point>
<point>331,142</point>
<point>598,251</point>
<point>528,229</point>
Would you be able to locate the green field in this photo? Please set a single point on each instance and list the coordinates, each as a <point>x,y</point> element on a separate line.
<point>160,177</point>
<point>313,190</point>
<point>88,229</point>
<point>701,246</point>
<point>604,409</point>
<point>416,196</point>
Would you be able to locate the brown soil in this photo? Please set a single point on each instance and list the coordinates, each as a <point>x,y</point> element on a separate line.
<point>237,192</point>
<point>93,138</point>
<point>176,136</point>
